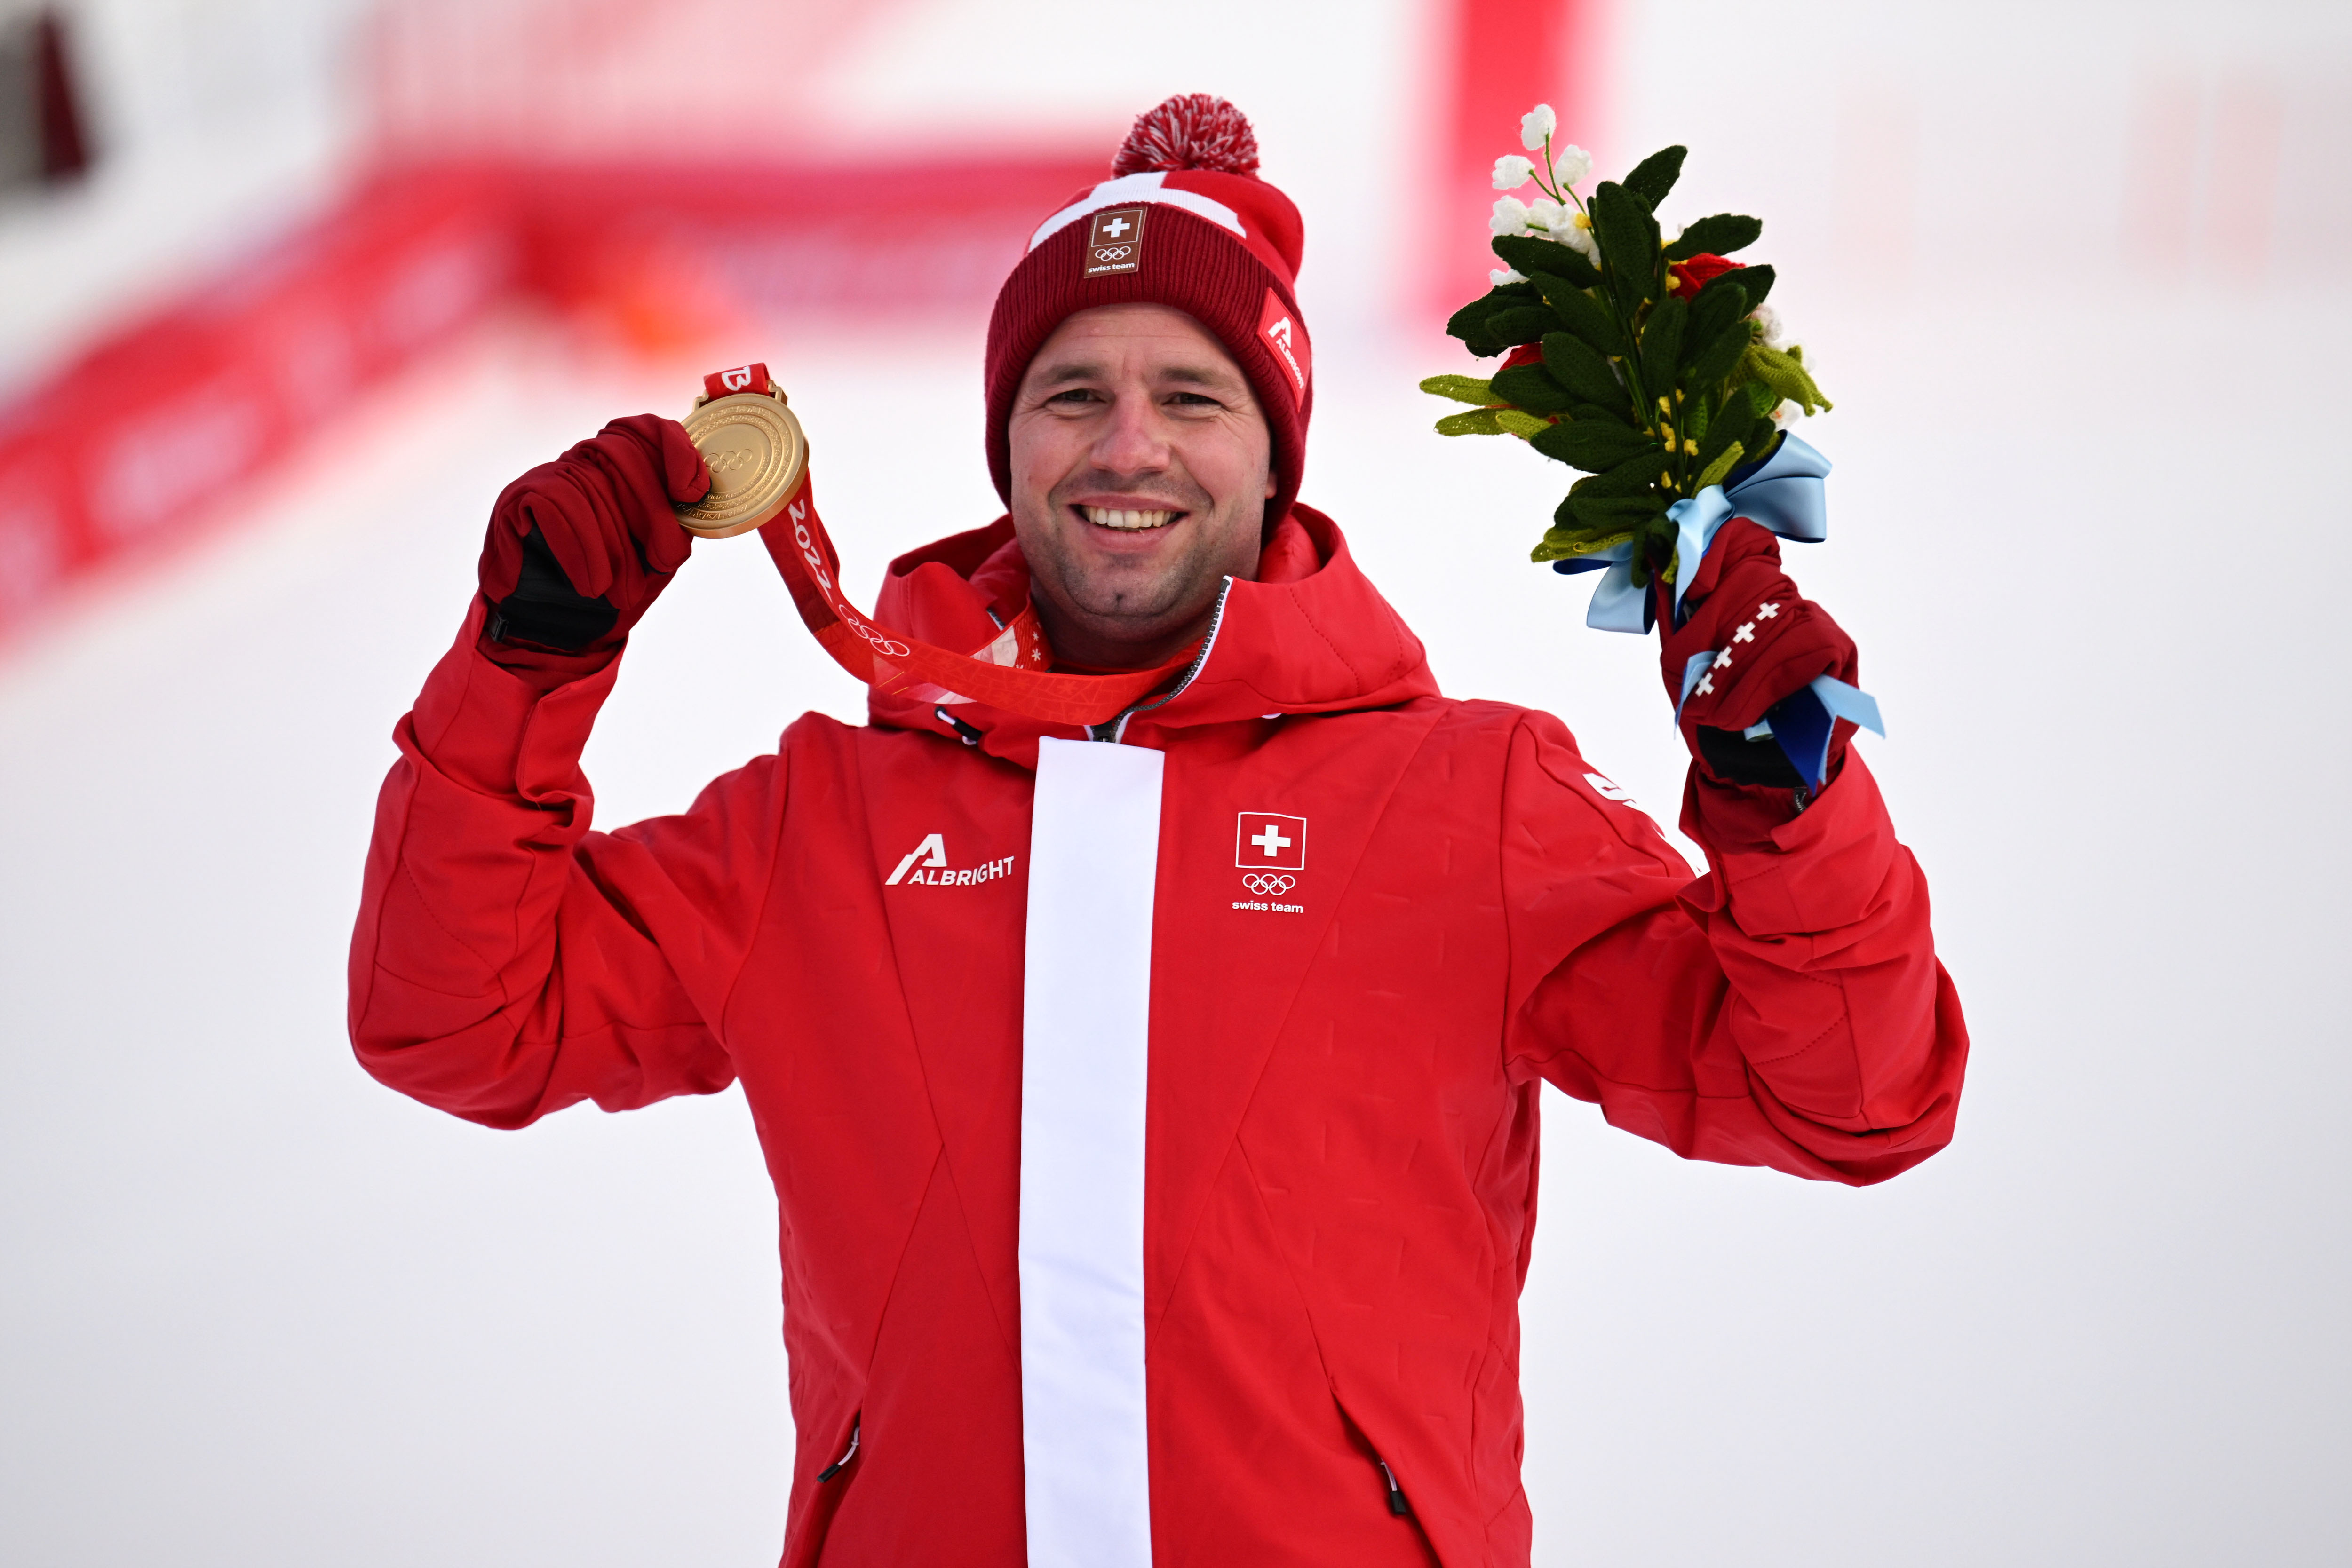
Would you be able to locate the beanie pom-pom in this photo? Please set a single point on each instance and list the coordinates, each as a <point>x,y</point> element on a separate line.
<point>1191,130</point>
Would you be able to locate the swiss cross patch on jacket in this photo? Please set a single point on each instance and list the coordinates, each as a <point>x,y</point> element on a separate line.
<point>1190,1076</point>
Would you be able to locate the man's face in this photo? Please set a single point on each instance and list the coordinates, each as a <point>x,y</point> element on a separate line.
<point>1141,472</point>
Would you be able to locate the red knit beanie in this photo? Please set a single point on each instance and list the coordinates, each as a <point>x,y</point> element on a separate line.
<point>1184,222</point>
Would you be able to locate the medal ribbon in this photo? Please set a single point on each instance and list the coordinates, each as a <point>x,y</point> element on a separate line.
<point>1009,673</point>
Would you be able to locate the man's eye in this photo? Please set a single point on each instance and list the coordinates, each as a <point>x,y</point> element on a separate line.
<point>1075,395</point>
<point>1195,398</point>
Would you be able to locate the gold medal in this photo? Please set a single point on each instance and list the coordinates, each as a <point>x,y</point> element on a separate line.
<point>757,454</point>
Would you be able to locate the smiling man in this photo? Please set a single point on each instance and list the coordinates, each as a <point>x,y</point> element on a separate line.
<point>1149,1078</point>
<point>1141,469</point>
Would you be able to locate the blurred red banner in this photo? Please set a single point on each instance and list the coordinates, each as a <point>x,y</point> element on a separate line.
<point>118,453</point>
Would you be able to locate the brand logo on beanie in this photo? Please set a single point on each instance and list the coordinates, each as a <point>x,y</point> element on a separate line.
<point>1115,242</point>
<point>1280,328</point>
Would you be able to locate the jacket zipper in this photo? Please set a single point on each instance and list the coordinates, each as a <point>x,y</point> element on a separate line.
<point>850,1453</point>
<point>1396,1494</point>
<point>1112,729</point>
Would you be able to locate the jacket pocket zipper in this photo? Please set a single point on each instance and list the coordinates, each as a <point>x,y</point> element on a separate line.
<point>1396,1494</point>
<point>850,1453</point>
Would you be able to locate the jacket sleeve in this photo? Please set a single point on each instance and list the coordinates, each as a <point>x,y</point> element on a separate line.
<point>508,962</point>
<point>1786,1009</point>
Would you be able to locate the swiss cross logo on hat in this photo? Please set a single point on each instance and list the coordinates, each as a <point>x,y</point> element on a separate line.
<point>1115,242</point>
<point>1264,841</point>
<point>1278,325</point>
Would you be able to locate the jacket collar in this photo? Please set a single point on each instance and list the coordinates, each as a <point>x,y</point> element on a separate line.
<point>1316,638</point>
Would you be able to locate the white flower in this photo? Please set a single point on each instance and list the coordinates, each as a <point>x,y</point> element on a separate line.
<point>1543,213</point>
<point>1767,322</point>
<point>1536,127</point>
<point>1578,236</point>
<point>1503,275</point>
<point>1510,216</point>
<point>1511,172</point>
<point>1789,409</point>
<point>1572,164</point>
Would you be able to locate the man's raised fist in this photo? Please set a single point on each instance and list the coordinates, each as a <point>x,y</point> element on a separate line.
<point>578,548</point>
<point>1764,642</point>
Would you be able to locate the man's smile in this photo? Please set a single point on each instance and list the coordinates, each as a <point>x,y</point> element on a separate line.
<point>1128,518</point>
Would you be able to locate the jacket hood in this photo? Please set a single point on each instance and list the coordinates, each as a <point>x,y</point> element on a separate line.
<point>1310,635</point>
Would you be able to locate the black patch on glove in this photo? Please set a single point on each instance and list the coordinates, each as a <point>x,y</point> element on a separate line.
<point>1735,759</point>
<point>545,610</point>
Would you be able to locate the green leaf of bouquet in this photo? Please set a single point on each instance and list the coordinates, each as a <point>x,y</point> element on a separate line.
<point>1716,361</point>
<point>1756,282</point>
<point>1566,543</point>
<point>1519,324</point>
<point>1717,305</point>
<point>1467,322</point>
<point>1662,342</point>
<point>1530,255</point>
<point>1637,475</point>
<point>1517,422</point>
<point>1471,422</point>
<point>1697,414</point>
<point>1583,315</point>
<point>1597,414</point>
<point>1461,389</point>
<point>1613,517</point>
<point>1577,366</point>
<point>1725,461</point>
<point>1785,374</point>
<point>1629,243</point>
<point>1720,234</point>
<point>1656,542</point>
<point>1727,429</point>
<point>1531,387</point>
<point>1656,175</point>
<point>1593,444</point>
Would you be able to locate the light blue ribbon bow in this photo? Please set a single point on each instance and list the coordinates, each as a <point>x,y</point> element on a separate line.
<point>1785,494</point>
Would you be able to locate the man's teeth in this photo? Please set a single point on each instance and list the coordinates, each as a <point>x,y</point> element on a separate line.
<point>1121,518</point>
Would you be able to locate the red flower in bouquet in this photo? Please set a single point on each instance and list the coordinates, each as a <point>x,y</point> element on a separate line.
<point>1690,276</point>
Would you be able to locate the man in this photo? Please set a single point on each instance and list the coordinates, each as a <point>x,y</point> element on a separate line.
<point>1152,1102</point>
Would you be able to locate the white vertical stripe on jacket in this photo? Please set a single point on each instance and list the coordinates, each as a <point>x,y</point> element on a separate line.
<point>1094,862</point>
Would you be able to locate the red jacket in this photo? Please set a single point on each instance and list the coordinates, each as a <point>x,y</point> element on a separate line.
<point>1377,918</point>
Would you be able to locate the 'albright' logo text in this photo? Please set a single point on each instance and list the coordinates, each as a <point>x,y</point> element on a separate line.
<point>927,863</point>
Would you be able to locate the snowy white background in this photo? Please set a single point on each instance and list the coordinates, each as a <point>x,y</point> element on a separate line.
<point>2074,274</point>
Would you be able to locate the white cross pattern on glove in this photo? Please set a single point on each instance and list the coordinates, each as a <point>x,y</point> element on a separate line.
<point>1706,686</point>
<point>1766,611</point>
<point>1746,634</point>
<point>1722,660</point>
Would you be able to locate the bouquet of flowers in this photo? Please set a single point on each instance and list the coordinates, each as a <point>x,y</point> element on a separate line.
<point>1652,365</point>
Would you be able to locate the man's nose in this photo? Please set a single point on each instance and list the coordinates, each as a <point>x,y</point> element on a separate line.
<point>1130,441</point>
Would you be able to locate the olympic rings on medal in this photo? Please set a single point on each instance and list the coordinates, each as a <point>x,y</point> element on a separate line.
<point>1272,886</point>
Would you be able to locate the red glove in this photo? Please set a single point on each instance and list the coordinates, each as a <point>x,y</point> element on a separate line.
<point>1767,641</point>
<point>580,548</point>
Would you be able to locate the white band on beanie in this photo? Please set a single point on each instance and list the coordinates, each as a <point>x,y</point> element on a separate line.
<point>1131,188</point>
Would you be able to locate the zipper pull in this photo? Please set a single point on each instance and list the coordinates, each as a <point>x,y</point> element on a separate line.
<point>969,733</point>
<point>836,1468</point>
<point>1396,1494</point>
